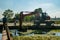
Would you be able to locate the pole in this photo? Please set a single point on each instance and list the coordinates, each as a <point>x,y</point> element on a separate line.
<point>21,18</point>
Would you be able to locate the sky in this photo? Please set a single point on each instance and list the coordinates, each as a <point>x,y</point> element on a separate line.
<point>52,7</point>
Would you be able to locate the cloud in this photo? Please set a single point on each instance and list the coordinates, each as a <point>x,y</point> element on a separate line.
<point>31,5</point>
<point>1,12</point>
<point>54,13</point>
<point>50,8</point>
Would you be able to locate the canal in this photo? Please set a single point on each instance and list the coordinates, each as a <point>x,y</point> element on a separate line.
<point>15,32</point>
<point>33,32</point>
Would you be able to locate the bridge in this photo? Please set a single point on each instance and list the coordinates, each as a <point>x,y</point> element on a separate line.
<point>6,34</point>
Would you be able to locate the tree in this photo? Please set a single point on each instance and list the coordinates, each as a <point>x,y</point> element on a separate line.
<point>17,16</point>
<point>39,10</point>
<point>38,13</point>
<point>27,18</point>
<point>8,13</point>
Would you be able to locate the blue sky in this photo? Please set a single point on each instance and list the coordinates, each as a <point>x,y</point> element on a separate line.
<point>52,7</point>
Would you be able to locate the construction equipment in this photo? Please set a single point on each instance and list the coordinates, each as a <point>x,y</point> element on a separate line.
<point>40,17</point>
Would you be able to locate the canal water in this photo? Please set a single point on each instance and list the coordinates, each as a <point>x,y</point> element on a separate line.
<point>0,36</point>
<point>57,34</point>
<point>30,34</point>
<point>15,33</point>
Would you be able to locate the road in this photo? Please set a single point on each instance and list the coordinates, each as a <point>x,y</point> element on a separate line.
<point>25,24</point>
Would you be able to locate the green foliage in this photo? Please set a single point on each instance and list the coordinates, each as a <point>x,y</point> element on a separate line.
<point>11,20</point>
<point>28,18</point>
<point>39,10</point>
<point>17,16</point>
<point>57,30</point>
<point>8,13</point>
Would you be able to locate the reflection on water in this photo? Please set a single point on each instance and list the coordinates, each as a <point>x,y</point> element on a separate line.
<point>57,34</point>
<point>0,36</point>
<point>15,33</point>
<point>31,34</point>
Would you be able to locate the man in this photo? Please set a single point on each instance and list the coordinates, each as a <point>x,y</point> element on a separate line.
<point>4,21</point>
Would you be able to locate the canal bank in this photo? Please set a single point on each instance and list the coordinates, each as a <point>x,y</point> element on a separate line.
<point>34,33</point>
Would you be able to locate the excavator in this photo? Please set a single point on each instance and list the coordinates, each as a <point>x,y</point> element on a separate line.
<point>39,18</point>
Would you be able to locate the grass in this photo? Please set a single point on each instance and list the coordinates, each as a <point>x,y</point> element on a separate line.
<point>36,38</point>
<point>57,22</point>
<point>39,36</point>
<point>53,31</point>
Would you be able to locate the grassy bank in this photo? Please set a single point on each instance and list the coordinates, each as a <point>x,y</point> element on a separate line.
<point>53,31</point>
<point>36,37</point>
<point>39,37</point>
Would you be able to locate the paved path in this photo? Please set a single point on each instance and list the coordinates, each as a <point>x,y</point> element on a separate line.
<point>25,24</point>
<point>4,35</point>
<point>17,24</point>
